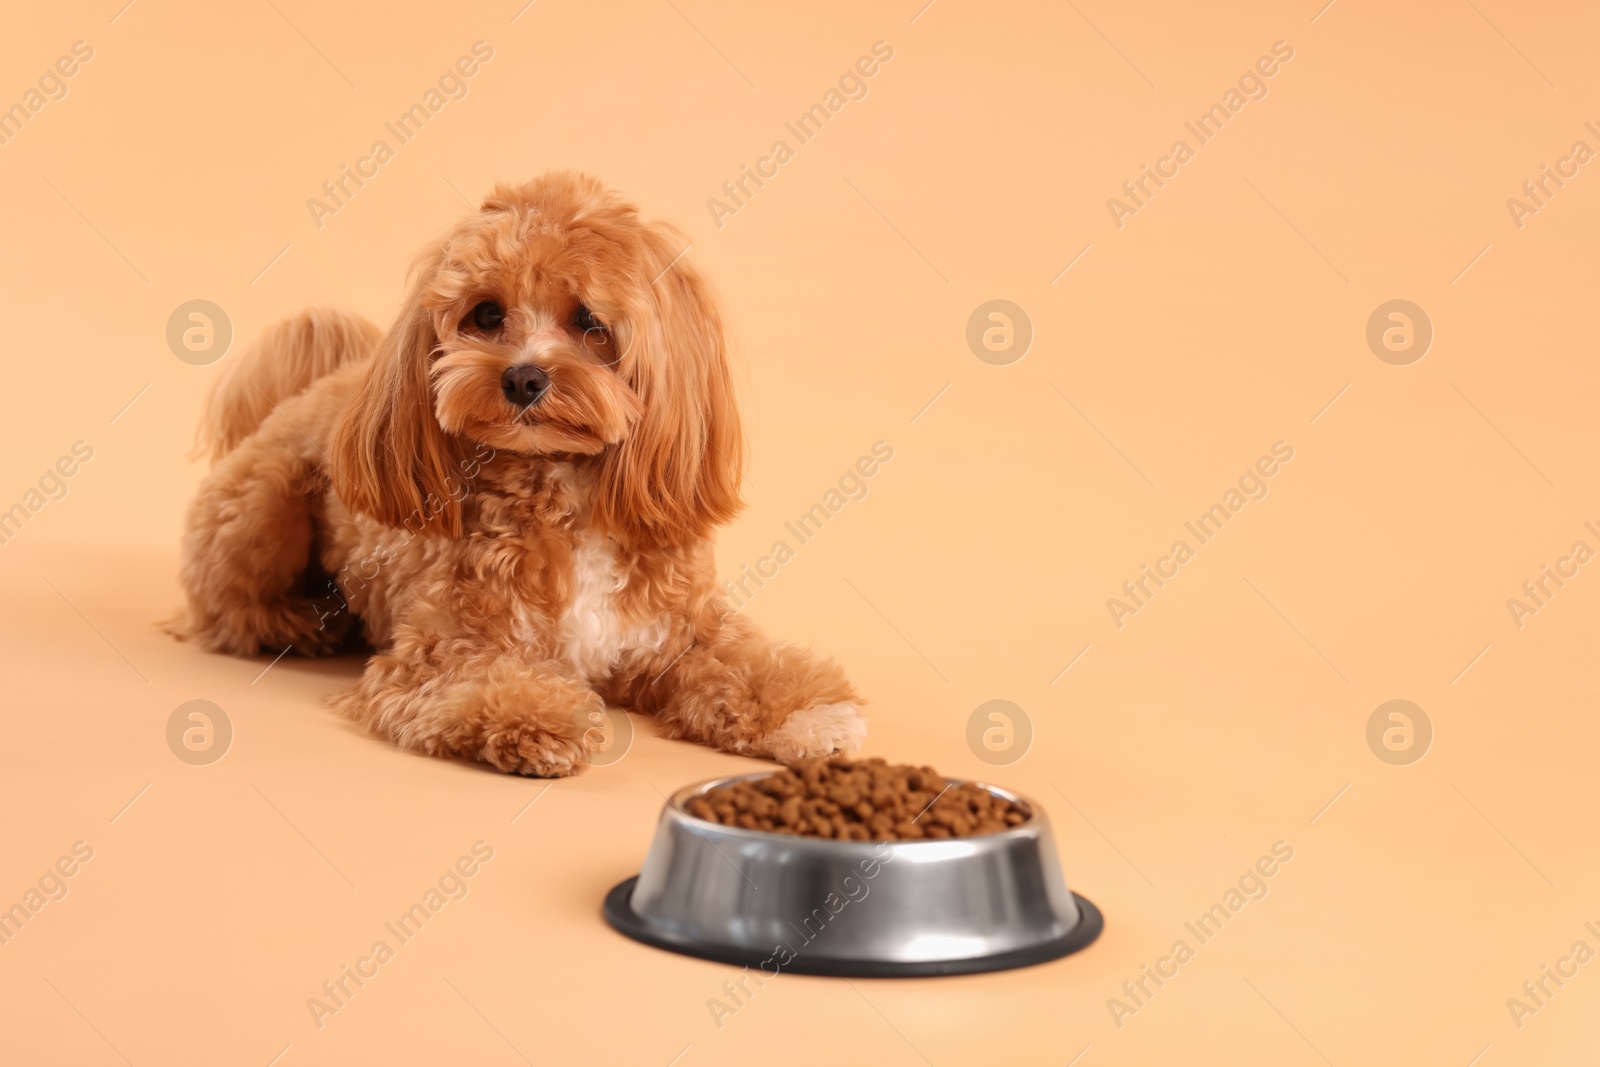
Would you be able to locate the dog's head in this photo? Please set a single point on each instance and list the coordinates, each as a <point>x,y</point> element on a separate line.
<point>552,322</point>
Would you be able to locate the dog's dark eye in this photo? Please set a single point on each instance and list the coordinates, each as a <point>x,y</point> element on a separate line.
<point>585,320</point>
<point>488,316</point>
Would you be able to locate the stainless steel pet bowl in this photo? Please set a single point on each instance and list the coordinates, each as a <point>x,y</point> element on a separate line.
<point>874,909</point>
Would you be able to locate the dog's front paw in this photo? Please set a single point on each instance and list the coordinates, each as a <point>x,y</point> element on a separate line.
<point>820,730</point>
<point>525,748</point>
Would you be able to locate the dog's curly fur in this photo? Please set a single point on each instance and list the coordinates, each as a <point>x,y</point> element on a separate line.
<point>515,568</point>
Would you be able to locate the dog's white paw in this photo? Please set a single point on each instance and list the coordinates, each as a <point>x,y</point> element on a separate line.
<point>820,730</point>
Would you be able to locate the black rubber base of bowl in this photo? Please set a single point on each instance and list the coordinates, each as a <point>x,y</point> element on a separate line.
<point>620,914</point>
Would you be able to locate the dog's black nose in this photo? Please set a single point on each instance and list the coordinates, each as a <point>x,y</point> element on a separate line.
<point>524,384</point>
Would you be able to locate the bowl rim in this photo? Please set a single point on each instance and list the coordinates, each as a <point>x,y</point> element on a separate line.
<point>1032,827</point>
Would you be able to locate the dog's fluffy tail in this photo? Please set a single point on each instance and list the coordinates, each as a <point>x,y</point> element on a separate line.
<point>287,357</point>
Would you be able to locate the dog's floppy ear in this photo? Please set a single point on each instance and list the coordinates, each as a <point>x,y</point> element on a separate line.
<point>676,476</point>
<point>391,460</point>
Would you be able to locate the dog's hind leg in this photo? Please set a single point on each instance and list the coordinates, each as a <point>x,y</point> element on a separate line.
<point>246,548</point>
<point>249,533</point>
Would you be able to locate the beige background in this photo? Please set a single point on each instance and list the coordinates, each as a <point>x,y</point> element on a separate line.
<point>1223,317</point>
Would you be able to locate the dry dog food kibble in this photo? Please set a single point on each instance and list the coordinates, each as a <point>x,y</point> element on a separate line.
<point>850,801</point>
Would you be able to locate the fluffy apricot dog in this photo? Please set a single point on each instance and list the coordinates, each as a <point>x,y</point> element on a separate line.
<point>512,493</point>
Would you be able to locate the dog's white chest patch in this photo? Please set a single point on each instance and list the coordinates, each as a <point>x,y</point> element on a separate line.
<point>591,633</point>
